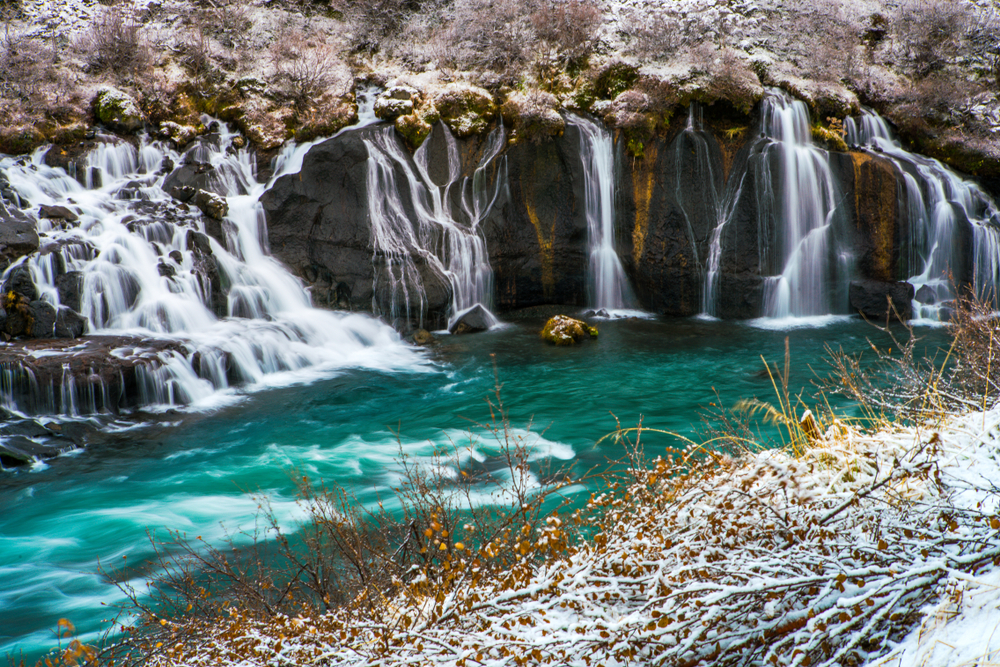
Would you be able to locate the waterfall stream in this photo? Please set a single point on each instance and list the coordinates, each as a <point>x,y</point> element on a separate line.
<point>225,313</point>
<point>608,286</point>
<point>797,199</point>
<point>420,227</point>
<point>938,201</point>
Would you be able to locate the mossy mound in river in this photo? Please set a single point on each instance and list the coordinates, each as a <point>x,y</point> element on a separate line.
<point>562,330</point>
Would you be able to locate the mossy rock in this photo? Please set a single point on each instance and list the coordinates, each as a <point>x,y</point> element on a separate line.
<point>614,79</point>
<point>327,120</point>
<point>20,139</point>
<point>830,139</point>
<point>69,133</point>
<point>467,110</point>
<point>117,110</point>
<point>563,330</point>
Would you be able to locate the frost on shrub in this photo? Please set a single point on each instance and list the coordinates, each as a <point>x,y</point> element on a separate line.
<point>115,41</point>
<point>374,22</point>
<point>305,67</point>
<point>569,27</point>
<point>490,34</point>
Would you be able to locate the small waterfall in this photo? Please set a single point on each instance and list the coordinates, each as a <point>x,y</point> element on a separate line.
<point>938,201</point>
<point>608,287</point>
<point>206,313</point>
<point>718,206</point>
<point>423,232</point>
<point>797,199</point>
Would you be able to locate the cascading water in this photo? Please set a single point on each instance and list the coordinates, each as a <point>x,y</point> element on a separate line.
<point>717,206</point>
<point>937,202</point>
<point>608,286</point>
<point>797,199</point>
<point>423,231</point>
<point>224,314</point>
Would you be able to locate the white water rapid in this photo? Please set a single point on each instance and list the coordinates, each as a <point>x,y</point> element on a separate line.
<point>798,202</point>
<point>608,286</point>
<point>423,230</point>
<point>938,203</point>
<point>230,313</point>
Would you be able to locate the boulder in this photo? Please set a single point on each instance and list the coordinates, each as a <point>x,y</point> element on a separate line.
<point>57,213</point>
<point>181,135</point>
<point>473,320</point>
<point>70,324</point>
<point>423,337</point>
<point>18,236</point>
<point>117,110</point>
<point>872,299</point>
<point>926,295</point>
<point>213,205</point>
<point>70,286</point>
<point>395,101</point>
<point>20,283</point>
<point>562,330</point>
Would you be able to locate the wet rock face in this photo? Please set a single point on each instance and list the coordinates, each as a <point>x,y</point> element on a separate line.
<point>24,315</point>
<point>878,300</point>
<point>318,223</point>
<point>537,240</point>
<point>17,236</point>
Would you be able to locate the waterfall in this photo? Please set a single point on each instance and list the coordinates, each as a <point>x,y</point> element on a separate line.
<point>424,231</point>
<point>797,199</point>
<point>211,311</point>
<point>607,285</point>
<point>938,201</point>
<point>718,207</point>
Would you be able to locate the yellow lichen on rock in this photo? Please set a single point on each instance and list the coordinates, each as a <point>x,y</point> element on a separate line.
<point>562,330</point>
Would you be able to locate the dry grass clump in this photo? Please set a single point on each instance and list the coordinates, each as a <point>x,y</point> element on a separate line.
<point>901,384</point>
<point>116,41</point>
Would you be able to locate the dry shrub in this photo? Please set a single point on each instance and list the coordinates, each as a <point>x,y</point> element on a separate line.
<point>374,22</point>
<point>903,381</point>
<point>654,33</point>
<point>444,532</point>
<point>569,27</point>
<point>307,67</point>
<point>929,34</point>
<point>490,34</point>
<point>25,64</point>
<point>116,41</point>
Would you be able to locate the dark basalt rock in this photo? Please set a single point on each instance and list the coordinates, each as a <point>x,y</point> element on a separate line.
<point>19,282</point>
<point>872,299</point>
<point>57,213</point>
<point>70,324</point>
<point>18,236</point>
<point>70,286</point>
<point>318,224</point>
<point>473,320</point>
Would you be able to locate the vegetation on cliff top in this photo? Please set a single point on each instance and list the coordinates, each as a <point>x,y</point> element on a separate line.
<point>288,68</point>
